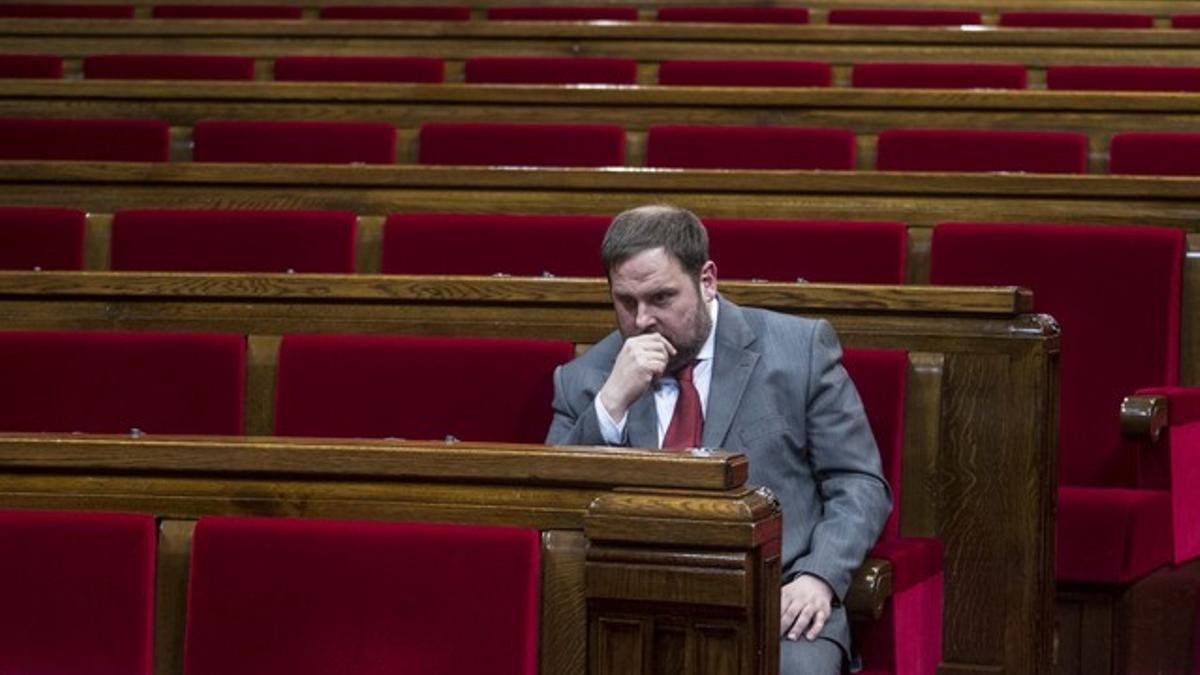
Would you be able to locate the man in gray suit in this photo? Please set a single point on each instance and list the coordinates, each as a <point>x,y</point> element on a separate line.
<point>687,367</point>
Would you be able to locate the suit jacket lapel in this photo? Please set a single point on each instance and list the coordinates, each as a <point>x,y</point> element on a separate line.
<point>733,363</point>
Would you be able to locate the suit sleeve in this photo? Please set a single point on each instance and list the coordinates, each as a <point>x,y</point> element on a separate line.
<point>575,421</point>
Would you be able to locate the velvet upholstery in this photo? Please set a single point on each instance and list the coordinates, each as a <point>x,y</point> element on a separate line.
<point>101,382</point>
<point>1173,463</point>
<point>85,140</point>
<point>821,251</point>
<point>563,13</point>
<point>396,12</point>
<point>30,10</point>
<point>43,238</point>
<point>939,75</point>
<point>32,66</point>
<point>549,70</point>
<point>745,73</point>
<point>1151,153</point>
<point>904,17</point>
<point>274,596</point>
<point>1185,21</point>
<point>1076,20</point>
<point>78,593</point>
<point>212,240</point>
<point>1123,78</point>
<point>227,11</point>
<point>474,389</point>
<point>718,147</point>
<point>294,142</point>
<point>504,144</point>
<point>719,14</point>
<point>167,67</point>
<point>416,69</point>
<point>973,150</point>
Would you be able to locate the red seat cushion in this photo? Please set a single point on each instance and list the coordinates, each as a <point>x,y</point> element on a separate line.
<point>584,145</point>
<point>1111,535</point>
<point>78,593</point>
<point>542,13</point>
<point>294,142</point>
<point>30,10</point>
<point>1185,21</point>
<point>904,17</point>
<point>31,66</point>
<point>939,75</point>
<point>233,241</point>
<point>168,67</point>
<point>699,147</point>
<point>881,378</point>
<point>823,251</point>
<point>914,559</point>
<point>359,69</point>
<point>716,14</point>
<point>1076,20</point>
<point>85,140</point>
<point>417,388</point>
<point>1155,154</point>
<point>99,382</point>
<point>42,238</point>
<point>1123,78</point>
<point>227,12</point>
<point>549,70</point>
<point>269,596</point>
<point>486,244</point>
<point>396,12</point>
<point>745,73</point>
<point>978,150</point>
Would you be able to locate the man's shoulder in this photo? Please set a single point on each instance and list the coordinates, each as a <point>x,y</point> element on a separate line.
<point>766,322</point>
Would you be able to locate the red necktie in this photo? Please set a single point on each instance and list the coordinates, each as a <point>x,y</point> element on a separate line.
<point>688,420</point>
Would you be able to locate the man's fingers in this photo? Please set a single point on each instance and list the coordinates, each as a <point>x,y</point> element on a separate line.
<point>791,609</point>
<point>802,622</point>
<point>818,622</point>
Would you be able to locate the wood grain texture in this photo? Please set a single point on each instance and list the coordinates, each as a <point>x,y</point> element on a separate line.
<point>563,641</point>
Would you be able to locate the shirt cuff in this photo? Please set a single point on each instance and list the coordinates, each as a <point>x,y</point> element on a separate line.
<point>610,430</point>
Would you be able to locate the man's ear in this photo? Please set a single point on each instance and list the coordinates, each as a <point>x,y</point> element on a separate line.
<point>708,281</point>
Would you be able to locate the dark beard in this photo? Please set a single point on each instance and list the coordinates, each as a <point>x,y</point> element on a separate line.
<point>686,353</point>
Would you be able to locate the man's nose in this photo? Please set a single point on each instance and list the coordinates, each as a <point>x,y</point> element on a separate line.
<point>645,319</point>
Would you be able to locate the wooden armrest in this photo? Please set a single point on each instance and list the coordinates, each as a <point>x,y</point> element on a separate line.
<point>869,590</point>
<point>1143,417</point>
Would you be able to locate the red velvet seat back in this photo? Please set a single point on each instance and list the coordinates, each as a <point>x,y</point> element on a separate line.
<point>359,69</point>
<point>703,147</point>
<point>276,596</point>
<point>980,151</point>
<point>30,10</point>
<point>99,382</point>
<point>1155,154</point>
<point>487,244</point>
<point>42,238</point>
<point>745,73</point>
<point>31,66</point>
<point>581,145</point>
<point>78,593</point>
<point>1185,21</point>
<point>544,13</point>
<point>823,251</point>
<point>227,11</point>
<point>881,378</point>
<point>212,240</point>
<point>1123,78</point>
<point>294,142</point>
<point>549,70</point>
<point>904,17</point>
<point>86,140</point>
<point>939,75</point>
<point>396,12</point>
<point>717,14</point>
<point>1116,293</point>
<point>168,67</point>
<point>1076,20</point>
<point>474,389</point>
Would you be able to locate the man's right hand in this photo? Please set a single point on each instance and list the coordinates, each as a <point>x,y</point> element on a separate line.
<point>642,359</point>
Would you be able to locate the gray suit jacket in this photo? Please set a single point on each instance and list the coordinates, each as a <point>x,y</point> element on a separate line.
<point>779,394</point>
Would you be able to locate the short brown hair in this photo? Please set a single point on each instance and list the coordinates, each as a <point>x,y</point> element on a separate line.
<point>643,228</point>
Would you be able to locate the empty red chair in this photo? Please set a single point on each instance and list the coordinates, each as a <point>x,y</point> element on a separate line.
<point>85,140</point>
<point>416,387</point>
<point>417,69</point>
<point>1123,78</point>
<point>269,596</point>
<point>212,240</point>
<point>1185,21</point>
<point>582,145</point>
<point>542,13</point>
<point>78,592</point>
<point>30,10</point>
<point>904,17</point>
<point>979,150</point>
<point>1151,153</point>
<point>717,14</point>
<point>745,73</point>
<point>488,244</point>
<point>294,142</point>
<point>939,75</point>
<point>167,67</point>
<point>396,13</point>
<point>549,70</point>
<point>824,251</point>
<point>99,382</point>
<point>42,238</point>
<point>793,148</point>
<point>227,12</point>
<point>31,66</point>
<point>1075,20</point>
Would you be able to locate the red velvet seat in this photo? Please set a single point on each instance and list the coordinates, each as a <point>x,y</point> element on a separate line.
<point>1123,78</point>
<point>275,596</point>
<point>546,13</point>
<point>823,251</point>
<point>487,244</point>
<point>1076,20</point>
<point>904,17</point>
<point>416,387</point>
<point>501,144</point>
<point>549,70</point>
<point>30,10</point>
<point>32,66</point>
<point>87,140</point>
<point>396,12</point>
<point>42,238</point>
<point>982,150</point>
<point>227,11</point>
<point>1122,510</point>
<point>718,14</point>
<point>703,147</point>
<point>294,142</point>
<point>213,240</point>
<point>745,73</point>
<point>168,67</point>
<point>100,382</point>
<point>939,75</point>
<point>1150,153</point>
<point>1185,21</point>
<point>360,69</point>
<point>78,593</point>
